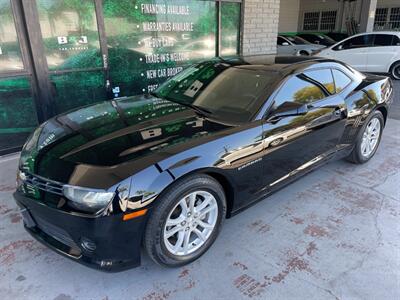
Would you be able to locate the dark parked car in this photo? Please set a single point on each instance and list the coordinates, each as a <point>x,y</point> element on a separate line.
<point>164,170</point>
<point>317,38</point>
<point>337,36</point>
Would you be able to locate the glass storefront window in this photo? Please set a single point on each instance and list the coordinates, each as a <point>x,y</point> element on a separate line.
<point>151,41</point>
<point>69,31</point>
<point>17,112</point>
<point>230,28</point>
<point>75,89</point>
<point>10,53</point>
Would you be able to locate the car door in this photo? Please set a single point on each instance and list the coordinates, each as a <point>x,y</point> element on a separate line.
<point>353,51</point>
<point>284,46</point>
<point>303,126</point>
<point>380,56</point>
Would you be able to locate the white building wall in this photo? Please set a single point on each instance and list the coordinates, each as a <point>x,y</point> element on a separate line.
<point>289,15</point>
<point>260,26</point>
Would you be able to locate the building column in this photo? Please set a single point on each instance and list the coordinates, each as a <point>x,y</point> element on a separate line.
<point>260,26</point>
<point>367,15</point>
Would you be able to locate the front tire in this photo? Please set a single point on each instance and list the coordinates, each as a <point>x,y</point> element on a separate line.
<point>368,139</point>
<point>395,70</point>
<point>186,221</point>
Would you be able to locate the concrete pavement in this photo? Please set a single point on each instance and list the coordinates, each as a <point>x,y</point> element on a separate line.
<point>334,234</point>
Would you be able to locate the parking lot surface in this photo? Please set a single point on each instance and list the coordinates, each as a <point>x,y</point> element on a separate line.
<point>334,234</point>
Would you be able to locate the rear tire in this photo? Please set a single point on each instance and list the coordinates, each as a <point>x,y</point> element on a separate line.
<point>368,139</point>
<point>395,70</point>
<point>174,234</point>
<point>304,53</point>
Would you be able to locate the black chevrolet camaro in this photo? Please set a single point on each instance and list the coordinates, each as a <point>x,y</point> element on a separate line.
<point>164,170</point>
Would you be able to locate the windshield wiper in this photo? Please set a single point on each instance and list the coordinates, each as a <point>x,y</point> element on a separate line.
<point>200,110</point>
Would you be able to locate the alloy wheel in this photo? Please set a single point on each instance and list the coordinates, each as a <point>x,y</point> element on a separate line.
<point>370,137</point>
<point>190,223</point>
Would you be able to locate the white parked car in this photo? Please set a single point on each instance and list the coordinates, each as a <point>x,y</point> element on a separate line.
<point>294,45</point>
<point>368,52</point>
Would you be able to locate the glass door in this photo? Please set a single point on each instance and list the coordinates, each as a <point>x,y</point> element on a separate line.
<point>18,115</point>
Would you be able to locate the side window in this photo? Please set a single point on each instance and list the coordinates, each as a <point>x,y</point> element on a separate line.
<point>383,40</point>
<point>281,41</point>
<point>356,42</point>
<point>297,90</point>
<point>341,80</point>
<point>324,77</point>
<point>396,41</point>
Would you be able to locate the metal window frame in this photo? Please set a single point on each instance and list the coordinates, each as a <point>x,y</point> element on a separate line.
<point>314,17</point>
<point>329,20</point>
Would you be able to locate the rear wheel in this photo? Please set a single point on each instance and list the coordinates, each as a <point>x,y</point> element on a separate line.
<point>304,53</point>
<point>395,70</point>
<point>186,221</point>
<point>368,139</point>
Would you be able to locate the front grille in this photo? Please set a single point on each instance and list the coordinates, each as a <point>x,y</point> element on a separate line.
<point>44,184</point>
<point>56,233</point>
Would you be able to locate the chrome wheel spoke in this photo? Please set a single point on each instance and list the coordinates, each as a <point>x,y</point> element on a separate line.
<point>173,231</point>
<point>204,224</point>
<point>207,210</point>
<point>200,234</point>
<point>179,241</point>
<point>186,242</point>
<point>184,207</point>
<point>192,200</point>
<point>174,222</point>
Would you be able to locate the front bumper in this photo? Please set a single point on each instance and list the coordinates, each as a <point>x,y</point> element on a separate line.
<point>117,243</point>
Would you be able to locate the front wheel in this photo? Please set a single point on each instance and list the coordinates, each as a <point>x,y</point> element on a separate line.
<point>368,139</point>
<point>395,70</point>
<point>186,221</point>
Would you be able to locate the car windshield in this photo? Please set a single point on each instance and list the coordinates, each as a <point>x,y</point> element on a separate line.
<point>297,40</point>
<point>220,90</point>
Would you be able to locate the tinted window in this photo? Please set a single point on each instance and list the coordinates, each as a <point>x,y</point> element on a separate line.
<point>383,40</point>
<point>226,92</point>
<point>396,41</point>
<point>324,77</point>
<point>297,40</point>
<point>281,41</point>
<point>341,80</point>
<point>317,39</point>
<point>355,42</point>
<point>298,89</point>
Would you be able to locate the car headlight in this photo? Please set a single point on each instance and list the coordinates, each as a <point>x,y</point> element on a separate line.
<point>88,200</point>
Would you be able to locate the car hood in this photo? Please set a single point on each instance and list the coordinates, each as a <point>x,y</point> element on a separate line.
<point>118,137</point>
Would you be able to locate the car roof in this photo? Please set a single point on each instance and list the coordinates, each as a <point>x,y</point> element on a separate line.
<point>278,63</point>
<point>377,32</point>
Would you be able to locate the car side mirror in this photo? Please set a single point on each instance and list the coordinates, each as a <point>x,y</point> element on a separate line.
<point>285,44</point>
<point>287,111</point>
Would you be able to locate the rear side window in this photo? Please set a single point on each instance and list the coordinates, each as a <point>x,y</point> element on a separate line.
<point>396,41</point>
<point>341,80</point>
<point>383,40</point>
<point>324,77</point>
<point>298,89</point>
